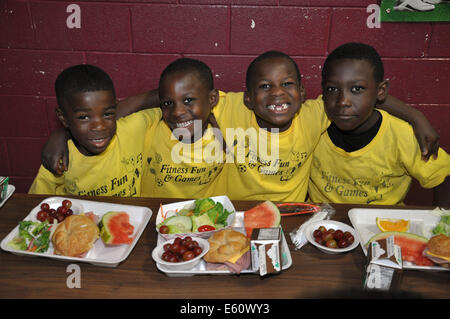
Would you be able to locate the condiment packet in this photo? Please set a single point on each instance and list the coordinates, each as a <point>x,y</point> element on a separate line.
<point>298,236</point>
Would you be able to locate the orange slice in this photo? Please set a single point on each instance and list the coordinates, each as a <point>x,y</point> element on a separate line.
<point>389,224</point>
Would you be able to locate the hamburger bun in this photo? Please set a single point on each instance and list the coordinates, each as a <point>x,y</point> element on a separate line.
<point>226,245</point>
<point>440,245</point>
<point>75,236</point>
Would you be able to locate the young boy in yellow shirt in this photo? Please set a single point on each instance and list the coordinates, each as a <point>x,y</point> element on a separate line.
<point>106,156</point>
<point>185,155</point>
<point>366,155</point>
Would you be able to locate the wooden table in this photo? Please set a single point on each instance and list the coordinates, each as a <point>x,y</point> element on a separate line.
<point>313,274</point>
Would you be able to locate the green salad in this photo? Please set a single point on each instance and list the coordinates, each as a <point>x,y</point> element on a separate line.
<point>33,236</point>
<point>206,215</point>
<point>443,226</point>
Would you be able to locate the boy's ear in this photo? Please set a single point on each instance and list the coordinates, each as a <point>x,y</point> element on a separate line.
<point>248,100</point>
<point>214,98</point>
<point>302,93</point>
<point>383,89</point>
<point>60,115</point>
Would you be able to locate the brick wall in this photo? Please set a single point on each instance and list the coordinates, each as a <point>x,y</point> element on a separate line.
<point>133,40</point>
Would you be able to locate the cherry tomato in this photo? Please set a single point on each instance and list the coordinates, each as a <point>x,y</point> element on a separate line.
<point>349,238</point>
<point>45,207</point>
<point>331,243</point>
<point>338,234</point>
<point>166,247</point>
<point>342,243</point>
<point>317,233</point>
<point>204,228</point>
<point>164,229</point>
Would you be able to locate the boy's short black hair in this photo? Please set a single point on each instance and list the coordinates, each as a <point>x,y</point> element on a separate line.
<point>190,65</point>
<point>82,78</point>
<point>359,51</point>
<point>265,56</point>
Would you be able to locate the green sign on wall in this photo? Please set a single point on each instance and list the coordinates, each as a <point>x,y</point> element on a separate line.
<point>415,10</point>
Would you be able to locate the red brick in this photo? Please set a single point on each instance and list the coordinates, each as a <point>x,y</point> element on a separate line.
<point>232,2</point>
<point>228,71</point>
<point>311,70</point>
<point>23,116</point>
<point>295,31</point>
<point>419,81</point>
<point>22,184</point>
<point>418,195</point>
<point>26,159</point>
<point>180,29</point>
<point>5,169</point>
<point>439,117</point>
<point>132,73</point>
<point>327,3</point>
<point>440,40</point>
<point>103,27</point>
<point>16,29</point>
<point>53,121</point>
<point>390,40</point>
<point>33,72</point>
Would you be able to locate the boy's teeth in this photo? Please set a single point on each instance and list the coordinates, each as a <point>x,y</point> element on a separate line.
<point>278,107</point>
<point>184,124</point>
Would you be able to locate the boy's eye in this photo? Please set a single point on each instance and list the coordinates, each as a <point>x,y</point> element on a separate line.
<point>82,117</point>
<point>331,89</point>
<point>264,86</point>
<point>166,103</point>
<point>288,83</point>
<point>188,100</point>
<point>110,114</point>
<point>357,89</point>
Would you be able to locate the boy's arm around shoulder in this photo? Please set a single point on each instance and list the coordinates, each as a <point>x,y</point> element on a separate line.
<point>426,135</point>
<point>55,154</point>
<point>135,103</point>
<point>45,182</point>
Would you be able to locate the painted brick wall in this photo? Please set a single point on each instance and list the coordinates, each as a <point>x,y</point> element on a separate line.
<point>133,40</point>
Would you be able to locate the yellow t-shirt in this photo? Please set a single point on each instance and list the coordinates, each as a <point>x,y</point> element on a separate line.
<point>115,172</point>
<point>173,169</point>
<point>265,165</point>
<point>380,173</point>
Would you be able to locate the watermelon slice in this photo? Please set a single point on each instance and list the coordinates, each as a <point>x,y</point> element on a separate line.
<point>264,215</point>
<point>115,228</point>
<point>412,246</point>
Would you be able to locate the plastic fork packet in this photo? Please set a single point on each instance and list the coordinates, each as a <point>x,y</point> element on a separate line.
<point>298,235</point>
<point>3,187</point>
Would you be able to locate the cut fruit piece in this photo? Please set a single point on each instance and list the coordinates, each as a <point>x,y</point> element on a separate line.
<point>412,246</point>
<point>264,215</point>
<point>390,224</point>
<point>115,228</point>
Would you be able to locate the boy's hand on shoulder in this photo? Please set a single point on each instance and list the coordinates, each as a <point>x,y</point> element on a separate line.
<point>55,154</point>
<point>428,139</point>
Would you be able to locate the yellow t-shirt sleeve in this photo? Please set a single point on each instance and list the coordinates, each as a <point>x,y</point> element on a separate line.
<point>317,110</point>
<point>45,182</point>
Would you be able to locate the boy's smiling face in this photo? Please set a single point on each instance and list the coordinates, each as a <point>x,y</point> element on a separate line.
<point>275,93</point>
<point>185,99</point>
<point>350,93</point>
<point>91,119</point>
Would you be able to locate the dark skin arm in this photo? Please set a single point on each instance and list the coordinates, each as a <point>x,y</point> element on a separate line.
<point>441,194</point>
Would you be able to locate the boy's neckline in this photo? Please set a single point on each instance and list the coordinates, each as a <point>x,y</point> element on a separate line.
<point>349,141</point>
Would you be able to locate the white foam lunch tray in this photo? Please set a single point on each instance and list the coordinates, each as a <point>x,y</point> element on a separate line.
<point>9,192</point>
<point>236,221</point>
<point>421,223</point>
<point>101,254</point>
